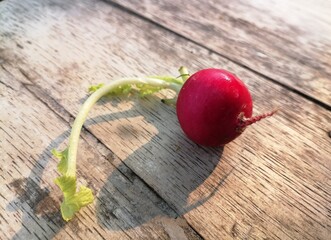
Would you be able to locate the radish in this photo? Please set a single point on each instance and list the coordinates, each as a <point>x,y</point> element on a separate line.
<point>213,108</point>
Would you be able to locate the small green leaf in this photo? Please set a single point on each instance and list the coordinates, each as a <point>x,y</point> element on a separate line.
<point>120,90</point>
<point>93,88</point>
<point>73,201</point>
<point>145,89</point>
<point>123,89</point>
<point>67,185</point>
<point>62,167</point>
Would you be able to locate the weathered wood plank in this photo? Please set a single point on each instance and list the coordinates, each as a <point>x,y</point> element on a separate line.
<point>288,41</point>
<point>274,181</point>
<point>29,201</point>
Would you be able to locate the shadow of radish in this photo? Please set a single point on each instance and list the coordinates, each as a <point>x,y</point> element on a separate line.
<point>34,199</point>
<point>168,169</point>
<point>171,165</point>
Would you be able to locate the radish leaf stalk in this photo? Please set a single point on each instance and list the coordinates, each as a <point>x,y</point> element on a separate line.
<point>74,200</point>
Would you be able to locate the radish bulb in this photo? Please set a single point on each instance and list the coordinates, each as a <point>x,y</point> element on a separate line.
<point>214,107</point>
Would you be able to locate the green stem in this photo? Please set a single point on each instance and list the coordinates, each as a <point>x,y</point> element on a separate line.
<point>184,73</point>
<point>82,115</point>
<point>74,199</point>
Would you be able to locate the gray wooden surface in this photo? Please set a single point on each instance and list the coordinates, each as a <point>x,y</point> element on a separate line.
<point>288,42</point>
<point>151,182</point>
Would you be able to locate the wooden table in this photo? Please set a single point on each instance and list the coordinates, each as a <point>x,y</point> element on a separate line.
<point>151,182</point>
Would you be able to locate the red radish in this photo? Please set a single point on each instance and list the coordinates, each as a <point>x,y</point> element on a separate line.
<point>214,107</point>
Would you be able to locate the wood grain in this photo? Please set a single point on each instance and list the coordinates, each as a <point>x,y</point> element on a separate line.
<point>272,182</point>
<point>289,42</point>
<point>29,200</point>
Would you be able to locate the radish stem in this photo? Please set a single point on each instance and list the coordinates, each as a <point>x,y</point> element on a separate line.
<point>73,199</point>
<point>81,117</point>
<point>184,73</point>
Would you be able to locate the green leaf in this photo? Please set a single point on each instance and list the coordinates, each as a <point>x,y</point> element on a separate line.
<point>123,89</point>
<point>73,201</point>
<point>62,167</point>
<point>145,89</point>
<point>67,185</point>
<point>93,88</point>
<point>120,90</point>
